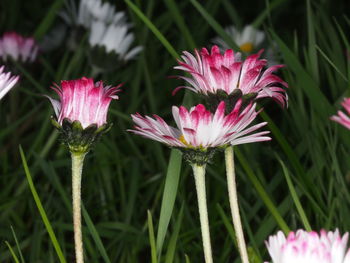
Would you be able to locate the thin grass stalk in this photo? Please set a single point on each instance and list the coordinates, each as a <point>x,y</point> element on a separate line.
<point>232,193</point>
<point>77,168</point>
<point>199,176</point>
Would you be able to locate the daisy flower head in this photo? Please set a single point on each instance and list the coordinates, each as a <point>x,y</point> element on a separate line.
<point>199,132</point>
<point>17,47</point>
<point>224,75</point>
<point>309,247</point>
<point>82,111</point>
<point>341,117</point>
<point>7,82</point>
<point>112,42</point>
<point>248,39</point>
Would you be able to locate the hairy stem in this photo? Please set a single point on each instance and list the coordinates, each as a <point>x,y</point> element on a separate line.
<point>77,168</point>
<point>232,192</point>
<point>199,176</point>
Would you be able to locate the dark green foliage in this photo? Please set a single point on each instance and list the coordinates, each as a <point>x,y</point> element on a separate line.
<point>124,175</point>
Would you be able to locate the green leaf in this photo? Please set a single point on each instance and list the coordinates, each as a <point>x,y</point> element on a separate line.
<point>41,209</point>
<point>169,196</point>
<point>95,235</point>
<point>296,198</point>
<point>153,28</point>
<point>152,240</point>
<point>215,25</point>
<point>15,258</point>
<point>169,257</point>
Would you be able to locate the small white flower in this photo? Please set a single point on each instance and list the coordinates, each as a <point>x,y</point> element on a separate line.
<point>248,40</point>
<point>114,37</point>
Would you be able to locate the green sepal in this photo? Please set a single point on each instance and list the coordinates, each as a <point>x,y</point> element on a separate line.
<point>77,139</point>
<point>212,100</point>
<point>198,156</point>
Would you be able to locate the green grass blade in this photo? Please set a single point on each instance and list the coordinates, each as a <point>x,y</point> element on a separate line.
<point>169,196</point>
<point>95,235</point>
<point>312,41</point>
<point>48,19</point>
<point>331,63</point>
<point>178,17</point>
<point>15,258</point>
<point>17,245</point>
<point>153,28</point>
<point>317,99</point>
<point>169,257</point>
<point>260,19</point>
<point>215,25</point>
<point>296,198</point>
<point>228,225</point>
<point>261,191</point>
<point>41,209</point>
<point>152,239</point>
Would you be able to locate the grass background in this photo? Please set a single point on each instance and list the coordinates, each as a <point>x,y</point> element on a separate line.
<point>298,180</point>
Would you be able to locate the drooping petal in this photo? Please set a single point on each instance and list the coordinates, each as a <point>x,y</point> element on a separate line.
<point>341,117</point>
<point>7,82</point>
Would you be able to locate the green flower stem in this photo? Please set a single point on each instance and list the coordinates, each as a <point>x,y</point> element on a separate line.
<point>77,168</point>
<point>199,176</point>
<point>232,192</point>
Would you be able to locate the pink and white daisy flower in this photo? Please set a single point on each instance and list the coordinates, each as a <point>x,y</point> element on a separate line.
<point>342,118</point>
<point>84,101</point>
<point>214,72</point>
<point>17,47</point>
<point>7,81</point>
<point>309,247</point>
<point>199,129</point>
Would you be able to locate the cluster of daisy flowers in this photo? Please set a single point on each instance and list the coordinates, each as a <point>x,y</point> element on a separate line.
<point>213,74</point>
<point>229,85</point>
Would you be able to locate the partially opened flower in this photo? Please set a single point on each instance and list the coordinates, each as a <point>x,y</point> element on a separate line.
<point>199,131</point>
<point>248,40</point>
<point>114,38</point>
<point>17,47</point>
<point>82,110</point>
<point>309,247</point>
<point>223,75</point>
<point>343,118</point>
<point>7,81</point>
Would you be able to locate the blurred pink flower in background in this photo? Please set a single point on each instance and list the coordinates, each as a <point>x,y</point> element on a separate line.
<point>199,129</point>
<point>84,101</point>
<point>213,72</point>
<point>17,47</point>
<point>7,81</point>
<point>342,118</point>
<point>309,247</point>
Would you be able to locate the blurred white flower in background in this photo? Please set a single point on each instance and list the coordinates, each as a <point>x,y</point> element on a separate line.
<point>114,38</point>
<point>249,40</point>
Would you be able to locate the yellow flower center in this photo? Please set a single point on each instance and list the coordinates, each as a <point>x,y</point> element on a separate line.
<point>183,140</point>
<point>247,47</point>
